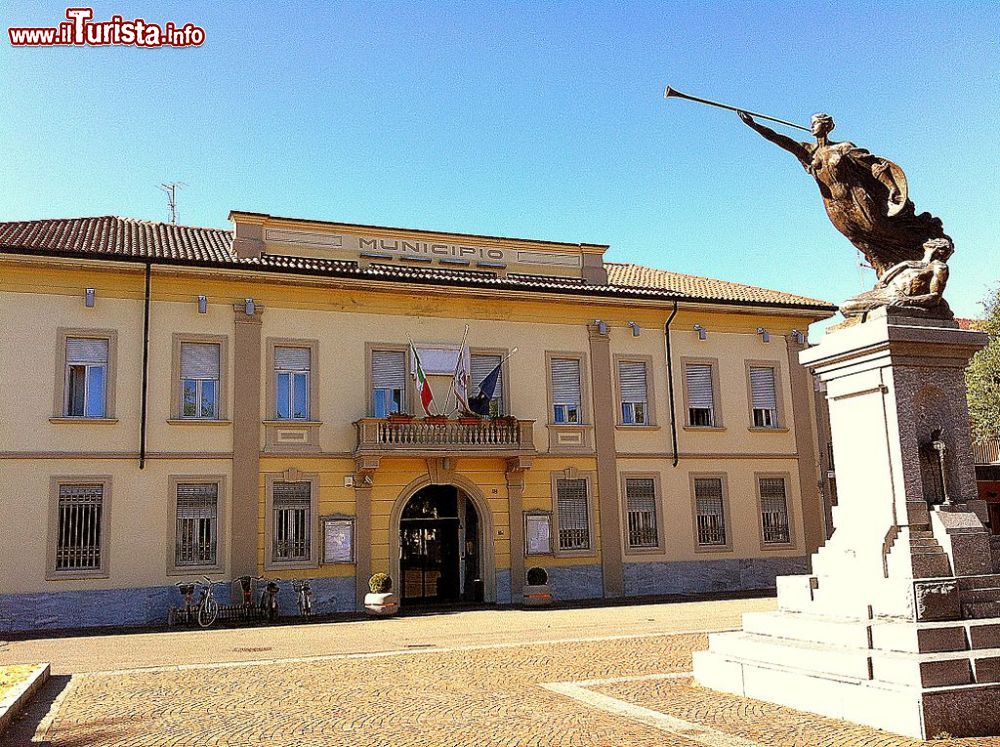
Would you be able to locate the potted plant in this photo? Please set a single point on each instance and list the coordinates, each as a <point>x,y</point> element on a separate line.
<point>536,588</point>
<point>380,600</point>
<point>400,417</point>
<point>436,419</point>
<point>469,419</point>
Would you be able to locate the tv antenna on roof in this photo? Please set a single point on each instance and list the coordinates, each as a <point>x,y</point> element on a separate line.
<point>171,189</point>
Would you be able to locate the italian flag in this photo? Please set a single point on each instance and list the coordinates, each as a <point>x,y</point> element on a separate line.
<point>423,385</point>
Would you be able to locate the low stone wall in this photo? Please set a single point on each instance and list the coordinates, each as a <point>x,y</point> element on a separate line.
<point>576,582</point>
<point>503,586</point>
<point>704,576</point>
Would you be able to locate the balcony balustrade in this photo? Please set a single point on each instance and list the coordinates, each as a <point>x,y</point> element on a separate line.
<point>493,437</point>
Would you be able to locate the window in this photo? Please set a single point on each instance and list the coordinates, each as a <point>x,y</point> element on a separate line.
<point>632,387</point>
<point>80,524</point>
<point>291,387</point>
<point>700,395</point>
<point>710,511</point>
<point>573,514</point>
<point>640,503</point>
<point>86,377</point>
<point>200,366</point>
<point>763,397</point>
<point>197,535</point>
<point>290,534</point>
<point>481,366</point>
<point>774,511</point>
<point>566,398</point>
<point>388,382</point>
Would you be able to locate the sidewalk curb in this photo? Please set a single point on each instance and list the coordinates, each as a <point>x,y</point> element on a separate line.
<point>18,698</point>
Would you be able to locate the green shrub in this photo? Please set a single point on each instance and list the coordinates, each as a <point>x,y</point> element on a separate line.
<point>380,583</point>
<point>537,576</point>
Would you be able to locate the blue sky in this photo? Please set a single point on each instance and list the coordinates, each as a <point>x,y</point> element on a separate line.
<point>541,120</point>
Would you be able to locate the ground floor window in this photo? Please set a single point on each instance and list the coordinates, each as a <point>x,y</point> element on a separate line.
<point>710,511</point>
<point>292,506</point>
<point>774,511</point>
<point>79,537</point>
<point>640,498</point>
<point>573,514</point>
<point>197,524</point>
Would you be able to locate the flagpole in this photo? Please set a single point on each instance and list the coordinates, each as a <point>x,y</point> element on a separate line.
<point>451,388</point>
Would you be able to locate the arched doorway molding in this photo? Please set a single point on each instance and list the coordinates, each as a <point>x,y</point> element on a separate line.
<point>487,555</point>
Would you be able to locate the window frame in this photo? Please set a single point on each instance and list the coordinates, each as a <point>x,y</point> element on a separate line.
<point>591,479</point>
<point>61,390</point>
<point>583,415</point>
<point>718,422</point>
<point>222,387</point>
<point>408,387</point>
<point>271,414</point>
<point>727,516</point>
<point>789,512</point>
<point>780,424</point>
<point>505,390</point>
<point>314,526</point>
<point>55,483</point>
<point>221,511</point>
<point>660,546</point>
<point>650,407</point>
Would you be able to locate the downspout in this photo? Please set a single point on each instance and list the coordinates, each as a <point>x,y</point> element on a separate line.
<point>145,369</point>
<point>670,384</point>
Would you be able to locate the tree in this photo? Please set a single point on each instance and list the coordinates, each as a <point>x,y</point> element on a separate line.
<point>983,375</point>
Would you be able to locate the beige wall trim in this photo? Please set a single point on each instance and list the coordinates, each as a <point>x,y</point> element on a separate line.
<point>176,393</point>
<point>315,536</point>
<point>727,514</point>
<point>55,482</point>
<point>220,524</point>
<point>716,393</point>
<point>806,422</point>
<point>714,456</point>
<point>789,509</point>
<point>658,501</point>
<point>647,361</point>
<point>246,441</point>
<point>122,455</point>
<point>111,378</point>
<point>602,377</point>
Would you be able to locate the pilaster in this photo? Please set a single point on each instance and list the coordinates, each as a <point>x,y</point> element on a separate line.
<point>246,440</point>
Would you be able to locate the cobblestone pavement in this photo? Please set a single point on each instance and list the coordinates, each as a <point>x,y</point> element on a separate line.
<point>607,691</point>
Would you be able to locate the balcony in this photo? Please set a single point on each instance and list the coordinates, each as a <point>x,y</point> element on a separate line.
<point>499,437</point>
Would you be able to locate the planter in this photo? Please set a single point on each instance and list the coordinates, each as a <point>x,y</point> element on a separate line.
<point>537,595</point>
<point>381,605</point>
<point>436,419</point>
<point>469,420</point>
<point>400,418</point>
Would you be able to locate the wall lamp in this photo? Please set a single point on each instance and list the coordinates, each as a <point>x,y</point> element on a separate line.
<point>602,327</point>
<point>202,304</point>
<point>88,297</point>
<point>248,306</point>
<point>702,332</point>
<point>800,337</point>
<point>635,328</point>
<point>764,334</point>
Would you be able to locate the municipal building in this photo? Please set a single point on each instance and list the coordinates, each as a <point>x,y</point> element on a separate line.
<point>190,401</point>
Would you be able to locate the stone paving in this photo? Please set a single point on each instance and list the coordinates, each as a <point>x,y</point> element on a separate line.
<point>606,691</point>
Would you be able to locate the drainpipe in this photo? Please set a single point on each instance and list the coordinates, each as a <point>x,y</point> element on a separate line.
<point>670,384</point>
<point>145,369</point>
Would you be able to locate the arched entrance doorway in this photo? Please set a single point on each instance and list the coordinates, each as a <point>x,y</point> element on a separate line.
<point>440,548</point>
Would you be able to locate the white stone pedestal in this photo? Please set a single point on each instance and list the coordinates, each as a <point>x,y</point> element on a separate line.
<point>898,627</point>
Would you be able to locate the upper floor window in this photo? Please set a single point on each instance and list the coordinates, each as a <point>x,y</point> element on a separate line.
<point>388,377</point>
<point>640,504</point>
<point>86,383</point>
<point>482,365</point>
<point>774,510</point>
<point>291,389</point>
<point>700,394</point>
<point>763,397</point>
<point>566,397</point>
<point>573,514</point>
<point>632,388</point>
<point>200,370</point>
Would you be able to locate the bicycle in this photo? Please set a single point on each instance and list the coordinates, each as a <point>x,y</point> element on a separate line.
<point>269,600</point>
<point>186,588</point>
<point>208,606</point>
<point>303,596</point>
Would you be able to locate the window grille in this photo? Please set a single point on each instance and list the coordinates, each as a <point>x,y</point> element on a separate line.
<point>710,509</point>
<point>388,382</point>
<point>632,383</point>
<point>292,371</point>
<point>774,510</point>
<point>566,390</point>
<point>292,507</point>
<point>574,523</point>
<point>86,377</point>
<point>197,524</point>
<point>701,394</point>
<point>480,367</point>
<point>200,379</point>
<point>640,498</point>
<point>764,397</point>
<point>78,544</point>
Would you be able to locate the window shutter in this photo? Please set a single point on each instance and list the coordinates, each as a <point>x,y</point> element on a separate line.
<point>199,360</point>
<point>699,383</point>
<point>291,359</point>
<point>480,367</point>
<point>640,498</point>
<point>197,501</point>
<point>574,527</point>
<point>86,350</point>
<point>388,369</point>
<point>632,380</point>
<point>197,524</point>
<point>566,381</point>
<point>762,388</point>
<point>292,494</point>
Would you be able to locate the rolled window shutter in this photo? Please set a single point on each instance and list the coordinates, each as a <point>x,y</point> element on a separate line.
<point>480,367</point>
<point>632,379</point>
<point>574,527</point>
<point>699,383</point>
<point>197,501</point>
<point>566,381</point>
<point>708,495</point>
<point>762,388</point>
<point>641,495</point>
<point>388,369</point>
<point>292,494</point>
<point>199,360</point>
<point>291,359</point>
<point>86,350</point>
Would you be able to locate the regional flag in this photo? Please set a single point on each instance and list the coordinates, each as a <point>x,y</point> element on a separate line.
<point>423,385</point>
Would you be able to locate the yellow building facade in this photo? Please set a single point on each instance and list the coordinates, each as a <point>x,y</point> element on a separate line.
<point>187,401</point>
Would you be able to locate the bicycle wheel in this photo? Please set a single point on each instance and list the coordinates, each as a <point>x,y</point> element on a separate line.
<point>208,610</point>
